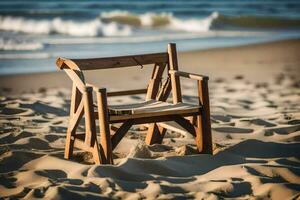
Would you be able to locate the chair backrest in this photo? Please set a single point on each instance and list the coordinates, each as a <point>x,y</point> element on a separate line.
<point>160,61</point>
<point>120,61</point>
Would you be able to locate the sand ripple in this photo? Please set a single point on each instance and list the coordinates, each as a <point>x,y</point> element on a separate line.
<point>256,129</point>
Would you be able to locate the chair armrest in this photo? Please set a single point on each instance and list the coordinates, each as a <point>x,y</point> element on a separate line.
<point>189,75</point>
<point>202,82</point>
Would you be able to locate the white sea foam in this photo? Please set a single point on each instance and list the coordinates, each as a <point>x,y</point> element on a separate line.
<point>90,28</point>
<point>115,13</point>
<point>162,19</point>
<point>193,25</point>
<point>19,44</point>
<point>149,19</point>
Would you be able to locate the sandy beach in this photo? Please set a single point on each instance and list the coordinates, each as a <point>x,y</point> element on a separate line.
<point>255,113</point>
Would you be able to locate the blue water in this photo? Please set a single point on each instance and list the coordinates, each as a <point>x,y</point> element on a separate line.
<point>34,33</point>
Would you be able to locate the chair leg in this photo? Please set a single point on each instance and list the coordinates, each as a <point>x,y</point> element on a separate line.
<point>105,143</point>
<point>203,135</point>
<point>207,137</point>
<point>203,121</point>
<point>199,134</point>
<point>69,144</point>
<point>90,125</point>
<point>155,134</point>
<point>75,101</point>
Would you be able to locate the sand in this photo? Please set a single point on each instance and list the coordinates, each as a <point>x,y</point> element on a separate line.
<point>255,108</point>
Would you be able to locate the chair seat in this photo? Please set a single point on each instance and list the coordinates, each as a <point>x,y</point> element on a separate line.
<point>150,108</point>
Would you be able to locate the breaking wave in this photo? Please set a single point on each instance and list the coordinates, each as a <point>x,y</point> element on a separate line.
<point>114,23</point>
<point>90,28</point>
<point>214,21</point>
<point>160,20</point>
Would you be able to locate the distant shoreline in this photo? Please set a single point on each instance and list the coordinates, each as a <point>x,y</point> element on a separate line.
<point>27,62</point>
<point>271,56</point>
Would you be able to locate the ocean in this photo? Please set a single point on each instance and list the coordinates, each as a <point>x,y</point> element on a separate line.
<point>33,33</point>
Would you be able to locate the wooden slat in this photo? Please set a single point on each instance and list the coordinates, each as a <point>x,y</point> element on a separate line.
<point>173,126</point>
<point>155,134</point>
<point>185,124</point>
<point>145,120</point>
<point>126,92</point>
<point>165,90</point>
<point>118,93</point>
<point>154,119</point>
<point>186,112</point>
<point>149,106</point>
<point>121,61</point>
<point>154,83</point>
<point>120,133</point>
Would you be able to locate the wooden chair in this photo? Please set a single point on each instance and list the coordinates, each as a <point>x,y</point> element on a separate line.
<point>154,111</point>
